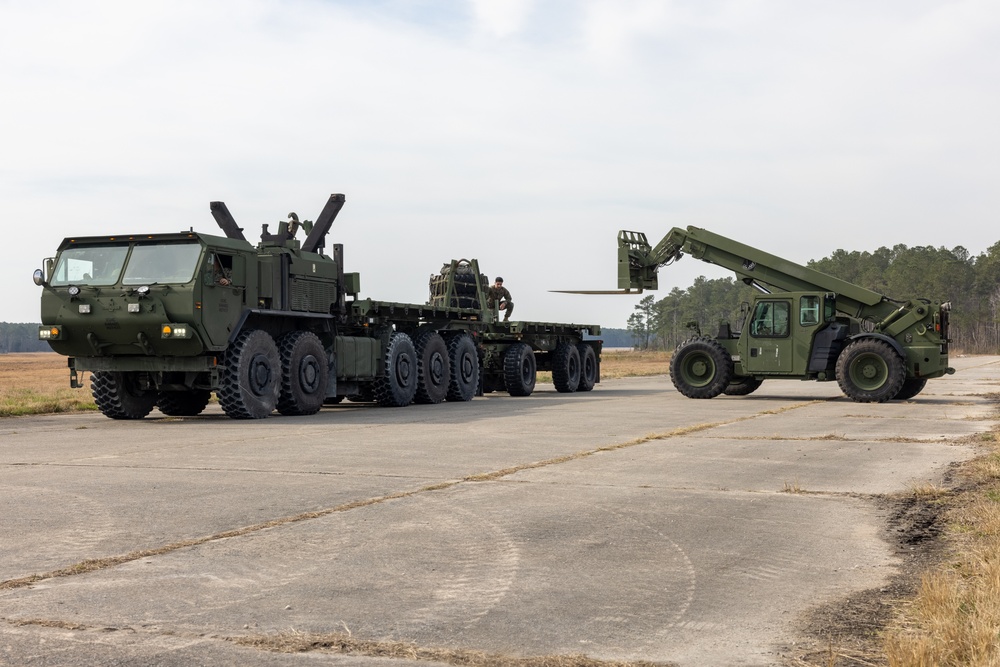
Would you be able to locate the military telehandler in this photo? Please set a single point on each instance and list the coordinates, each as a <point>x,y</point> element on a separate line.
<point>801,324</point>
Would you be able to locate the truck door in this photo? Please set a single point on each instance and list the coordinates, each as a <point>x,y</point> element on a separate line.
<point>769,342</point>
<point>224,287</point>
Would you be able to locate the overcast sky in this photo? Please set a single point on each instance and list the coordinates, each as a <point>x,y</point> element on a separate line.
<point>525,133</point>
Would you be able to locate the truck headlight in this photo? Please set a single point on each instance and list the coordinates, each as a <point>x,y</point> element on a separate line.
<point>84,308</point>
<point>175,331</point>
<point>49,333</point>
<point>133,308</point>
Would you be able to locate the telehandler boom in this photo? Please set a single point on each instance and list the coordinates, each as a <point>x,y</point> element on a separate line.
<point>803,324</point>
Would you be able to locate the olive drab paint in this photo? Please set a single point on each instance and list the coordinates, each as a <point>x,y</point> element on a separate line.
<point>164,320</point>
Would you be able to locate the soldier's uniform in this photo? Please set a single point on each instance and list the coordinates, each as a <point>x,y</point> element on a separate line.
<point>497,294</point>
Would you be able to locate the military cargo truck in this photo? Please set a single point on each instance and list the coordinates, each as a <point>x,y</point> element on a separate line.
<point>165,320</point>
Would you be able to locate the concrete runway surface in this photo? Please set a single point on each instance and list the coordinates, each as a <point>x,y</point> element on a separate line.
<point>629,523</point>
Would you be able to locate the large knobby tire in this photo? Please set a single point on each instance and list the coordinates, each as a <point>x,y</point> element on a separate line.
<point>433,368</point>
<point>742,386</point>
<point>519,369</point>
<point>588,367</point>
<point>398,384</point>
<point>183,403</point>
<point>566,368</point>
<point>305,370</point>
<point>464,360</point>
<point>701,368</point>
<point>117,395</point>
<point>870,371</point>
<point>910,388</point>
<point>251,376</point>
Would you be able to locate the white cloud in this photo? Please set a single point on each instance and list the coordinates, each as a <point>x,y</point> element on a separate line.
<point>501,18</point>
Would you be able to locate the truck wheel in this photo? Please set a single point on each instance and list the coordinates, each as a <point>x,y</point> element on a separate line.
<point>588,367</point>
<point>742,386</point>
<point>870,371</point>
<point>251,377</point>
<point>183,403</point>
<point>519,370</point>
<point>464,360</point>
<point>398,384</point>
<point>433,368</point>
<point>701,368</point>
<point>910,389</point>
<point>118,395</point>
<point>566,368</point>
<point>304,373</point>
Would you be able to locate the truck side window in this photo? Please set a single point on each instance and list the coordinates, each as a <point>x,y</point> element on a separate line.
<point>809,311</point>
<point>770,319</point>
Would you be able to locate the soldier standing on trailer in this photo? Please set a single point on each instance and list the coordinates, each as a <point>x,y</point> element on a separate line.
<point>498,294</point>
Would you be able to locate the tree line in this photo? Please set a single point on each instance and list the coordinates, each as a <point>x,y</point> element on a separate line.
<point>21,338</point>
<point>970,283</point>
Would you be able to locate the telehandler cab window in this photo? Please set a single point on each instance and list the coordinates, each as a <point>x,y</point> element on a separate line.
<point>809,311</point>
<point>162,263</point>
<point>770,319</point>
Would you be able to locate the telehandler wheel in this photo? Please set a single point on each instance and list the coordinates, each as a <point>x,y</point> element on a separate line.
<point>433,368</point>
<point>910,389</point>
<point>304,373</point>
<point>742,386</point>
<point>566,368</point>
<point>251,376</point>
<point>519,369</point>
<point>398,384</point>
<point>464,368</point>
<point>588,367</point>
<point>701,368</point>
<point>183,403</point>
<point>870,371</point>
<point>117,395</point>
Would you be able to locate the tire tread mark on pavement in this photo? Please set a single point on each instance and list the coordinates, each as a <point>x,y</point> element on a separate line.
<point>97,564</point>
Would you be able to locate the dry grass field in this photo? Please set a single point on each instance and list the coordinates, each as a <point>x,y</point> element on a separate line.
<point>38,382</point>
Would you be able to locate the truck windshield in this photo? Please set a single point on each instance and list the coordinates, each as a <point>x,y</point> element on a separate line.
<point>89,265</point>
<point>162,263</point>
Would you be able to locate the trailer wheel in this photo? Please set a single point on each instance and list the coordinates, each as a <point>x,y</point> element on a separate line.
<point>588,367</point>
<point>183,403</point>
<point>304,373</point>
<point>251,377</point>
<point>433,368</point>
<point>398,384</point>
<point>910,389</point>
<point>701,368</point>
<point>742,386</point>
<point>566,368</point>
<point>519,370</point>
<point>464,360</point>
<point>118,395</point>
<point>870,371</point>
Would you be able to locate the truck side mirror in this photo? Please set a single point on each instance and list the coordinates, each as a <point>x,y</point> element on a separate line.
<point>41,277</point>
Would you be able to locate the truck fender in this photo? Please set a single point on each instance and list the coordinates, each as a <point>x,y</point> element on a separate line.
<point>893,343</point>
